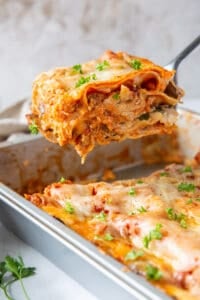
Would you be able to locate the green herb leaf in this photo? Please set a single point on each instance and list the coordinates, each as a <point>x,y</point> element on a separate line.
<point>187,169</point>
<point>181,218</point>
<point>132,192</point>
<point>108,237</point>
<point>154,234</point>
<point>135,64</point>
<point>116,96</point>
<point>141,209</point>
<point>77,68</point>
<point>33,128</point>
<point>153,273</point>
<point>102,66</point>
<point>134,254</point>
<point>164,174</point>
<point>69,208</point>
<point>84,80</point>
<point>190,201</point>
<point>145,116</point>
<point>186,187</point>
<point>139,181</point>
<point>11,270</point>
<point>101,216</point>
<point>62,179</point>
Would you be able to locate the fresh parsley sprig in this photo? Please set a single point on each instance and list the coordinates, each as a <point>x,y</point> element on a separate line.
<point>135,64</point>
<point>154,234</point>
<point>103,65</point>
<point>33,128</point>
<point>11,270</point>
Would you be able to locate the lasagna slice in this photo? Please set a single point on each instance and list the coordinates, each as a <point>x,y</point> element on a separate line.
<point>115,97</point>
<point>150,224</point>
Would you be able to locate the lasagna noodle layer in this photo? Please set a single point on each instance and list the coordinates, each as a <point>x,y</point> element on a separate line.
<point>98,105</point>
<point>157,217</point>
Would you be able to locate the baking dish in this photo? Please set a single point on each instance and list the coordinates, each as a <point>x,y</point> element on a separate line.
<point>35,162</point>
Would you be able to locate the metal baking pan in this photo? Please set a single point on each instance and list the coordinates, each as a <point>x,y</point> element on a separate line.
<point>29,165</point>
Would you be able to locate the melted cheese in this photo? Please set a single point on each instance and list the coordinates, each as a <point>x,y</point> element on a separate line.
<point>129,211</point>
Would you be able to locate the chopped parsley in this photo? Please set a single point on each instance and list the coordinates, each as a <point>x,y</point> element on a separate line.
<point>116,96</point>
<point>164,174</point>
<point>189,201</point>
<point>69,208</point>
<point>94,76</point>
<point>134,254</point>
<point>186,187</point>
<point>181,218</point>
<point>103,65</point>
<point>154,234</point>
<point>145,116</point>
<point>187,169</point>
<point>108,237</point>
<point>101,216</point>
<point>62,179</point>
<point>132,192</point>
<point>135,64</point>
<point>33,128</point>
<point>84,80</point>
<point>77,68</point>
<point>192,200</point>
<point>139,181</point>
<point>153,273</point>
<point>141,209</point>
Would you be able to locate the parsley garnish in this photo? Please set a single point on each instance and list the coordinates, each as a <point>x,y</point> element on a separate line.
<point>164,174</point>
<point>187,187</point>
<point>77,68</point>
<point>12,270</point>
<point>154,234</point>
<point>140,181</point>
<point>153,273</point>
<point>108,237</point>
<point>181,218</point>
<point>33,128</point>
<point>116,96</point>
<point>141,209</point>
<point>101,216</point>
<point>132,192</point>
<point>135,64</point>
<point>62,179</point>
<point>134,254</point>
<point>187,169</point>
<point>145,116</point>
<point>84,80</point>
<point>189,201</point>
<point>103,65</point>
<point>69,208</point>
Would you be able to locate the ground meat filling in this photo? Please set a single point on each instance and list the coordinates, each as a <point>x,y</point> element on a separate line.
<point>122,113</point>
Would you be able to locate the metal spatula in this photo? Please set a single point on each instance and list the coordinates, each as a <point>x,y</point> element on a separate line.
<point>174,63</point>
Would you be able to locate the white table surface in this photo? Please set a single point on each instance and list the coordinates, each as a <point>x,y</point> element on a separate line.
<point>50,282</point>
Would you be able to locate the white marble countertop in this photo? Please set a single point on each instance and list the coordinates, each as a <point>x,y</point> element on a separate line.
<point>38,35</point>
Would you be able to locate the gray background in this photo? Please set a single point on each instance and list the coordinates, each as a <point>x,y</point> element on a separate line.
<point>38,35</point>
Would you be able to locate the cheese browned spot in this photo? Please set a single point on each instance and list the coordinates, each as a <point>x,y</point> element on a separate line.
<point>112,98</point>
<point>157,217</point>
